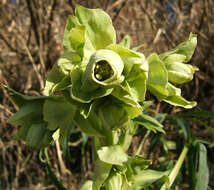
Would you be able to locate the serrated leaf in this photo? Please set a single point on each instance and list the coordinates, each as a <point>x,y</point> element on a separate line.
<point>58,112</point>
<point>36,135</point>
<point>27,113</point>
<point>150,123</point>
<point>92,126</point>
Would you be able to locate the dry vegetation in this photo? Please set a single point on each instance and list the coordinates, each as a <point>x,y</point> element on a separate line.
<point>31,32</point>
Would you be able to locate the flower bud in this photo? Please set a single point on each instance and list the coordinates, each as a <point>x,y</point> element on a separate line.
<point>179,73</point>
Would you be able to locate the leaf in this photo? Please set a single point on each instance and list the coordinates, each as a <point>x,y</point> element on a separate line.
<point>158,77</point>
<point>54,77</point>
<point>147,104</point>
<point>183,125</point>
<point>157,71</point>
<point>68,61</point>
<point>129,58</point>
<point>112,155</point>
<point>126,42</point>
<point>98,25</point>
<point>22,132</point>
<point>172,90</point>
<point>135,72</point>
<point>180,101</point>
<point>138,164</point>
<point>101,173</point>
<point>87,185</point>
<point>57,112</point>
<point>36,135</point>
<point>77,39</point>
<point>21,99</point>
<point>202,176</point>
<point>198,121</point>
<point>150,123</point>
<point>109,110</point>
<point>201,113</point>
<point>72,22</point>
<point>186,48</point>
<point>137,80</point>
<point>91,126</point>
<point>122,92</point>
<point>28,113</point>
<point>146,177</point>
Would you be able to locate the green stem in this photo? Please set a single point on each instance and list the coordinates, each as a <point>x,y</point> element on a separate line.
<point>142,143</point>
<point>175,170</point>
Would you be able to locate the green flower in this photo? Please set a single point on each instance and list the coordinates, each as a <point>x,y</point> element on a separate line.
<point>94,66</point>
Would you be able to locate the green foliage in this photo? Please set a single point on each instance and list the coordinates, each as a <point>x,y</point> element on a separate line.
<point>100,86</point>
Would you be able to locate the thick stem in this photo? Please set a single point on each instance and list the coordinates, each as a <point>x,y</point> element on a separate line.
<point>175,170</point>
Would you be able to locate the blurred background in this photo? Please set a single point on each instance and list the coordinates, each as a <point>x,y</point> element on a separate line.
<point>31,33</point>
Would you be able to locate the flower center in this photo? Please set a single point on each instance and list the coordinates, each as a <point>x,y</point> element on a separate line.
<point>103,70</point>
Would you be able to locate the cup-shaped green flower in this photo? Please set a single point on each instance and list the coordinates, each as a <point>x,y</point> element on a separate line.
<point>103,70</point>
<point>102,73</point>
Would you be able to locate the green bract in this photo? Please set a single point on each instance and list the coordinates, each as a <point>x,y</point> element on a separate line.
<point>171,67</point>
<point>100,86</point>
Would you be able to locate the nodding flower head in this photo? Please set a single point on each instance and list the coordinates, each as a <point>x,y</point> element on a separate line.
<point>104,69</point>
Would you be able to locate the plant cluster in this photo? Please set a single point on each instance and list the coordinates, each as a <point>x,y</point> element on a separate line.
<point>100,86</point>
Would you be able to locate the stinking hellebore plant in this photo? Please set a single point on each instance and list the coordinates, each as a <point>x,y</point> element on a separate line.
<point>100,86</point>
